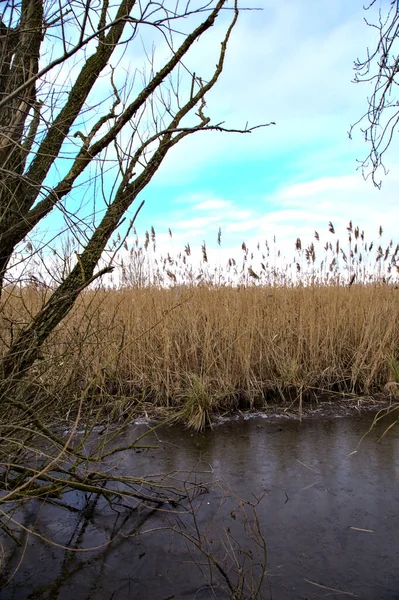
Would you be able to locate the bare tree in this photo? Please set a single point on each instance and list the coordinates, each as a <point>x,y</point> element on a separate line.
<point>93,96</point>
<point>380,69</point>
<point>73,105</point>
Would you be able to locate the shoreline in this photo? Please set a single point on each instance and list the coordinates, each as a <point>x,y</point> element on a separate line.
<point>323,409</point>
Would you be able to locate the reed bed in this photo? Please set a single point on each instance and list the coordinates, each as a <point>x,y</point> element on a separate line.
<point>200,346</point>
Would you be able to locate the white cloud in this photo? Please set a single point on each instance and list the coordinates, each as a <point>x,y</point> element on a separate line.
<point>241,226</point>
<point>299,210</point>
<point>290,63</point>
<point>195,223</point>
<point>212,204</point>
<point>320,186</point>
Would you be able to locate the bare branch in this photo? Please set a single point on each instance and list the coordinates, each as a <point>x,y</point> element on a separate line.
<point>381,69</point>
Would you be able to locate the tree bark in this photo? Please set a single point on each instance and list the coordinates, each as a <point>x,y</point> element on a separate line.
<point>24,351</point>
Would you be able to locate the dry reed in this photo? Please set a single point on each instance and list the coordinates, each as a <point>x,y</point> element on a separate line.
<point>208,346</point>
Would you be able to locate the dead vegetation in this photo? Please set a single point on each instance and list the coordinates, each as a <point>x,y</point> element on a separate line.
<point>196,347</point>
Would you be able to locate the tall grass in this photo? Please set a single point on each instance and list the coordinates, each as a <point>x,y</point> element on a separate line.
<point>220,339</point>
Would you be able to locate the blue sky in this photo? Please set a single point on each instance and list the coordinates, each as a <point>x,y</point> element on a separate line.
<point>291,63</point>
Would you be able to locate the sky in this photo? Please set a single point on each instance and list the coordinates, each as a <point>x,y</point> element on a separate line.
<point>288,62</point>
<point>291,63</point>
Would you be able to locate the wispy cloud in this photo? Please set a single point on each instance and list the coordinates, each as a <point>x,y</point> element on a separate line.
<point>291,64</point>
<point>212,204</point>
<point>321,186</point>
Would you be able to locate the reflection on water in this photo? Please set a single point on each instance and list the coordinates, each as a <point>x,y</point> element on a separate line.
<point>329,516</point>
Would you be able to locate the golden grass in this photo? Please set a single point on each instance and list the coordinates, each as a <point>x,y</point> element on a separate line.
<point>216,345</point>
<point>215,348</point>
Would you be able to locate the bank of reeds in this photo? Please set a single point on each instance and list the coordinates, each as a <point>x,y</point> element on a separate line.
<point>197,348</point>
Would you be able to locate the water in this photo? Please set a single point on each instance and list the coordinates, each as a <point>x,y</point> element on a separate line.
<point>329,517</point>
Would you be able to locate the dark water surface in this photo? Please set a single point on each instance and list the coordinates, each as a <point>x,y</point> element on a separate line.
<point>329,516</point>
